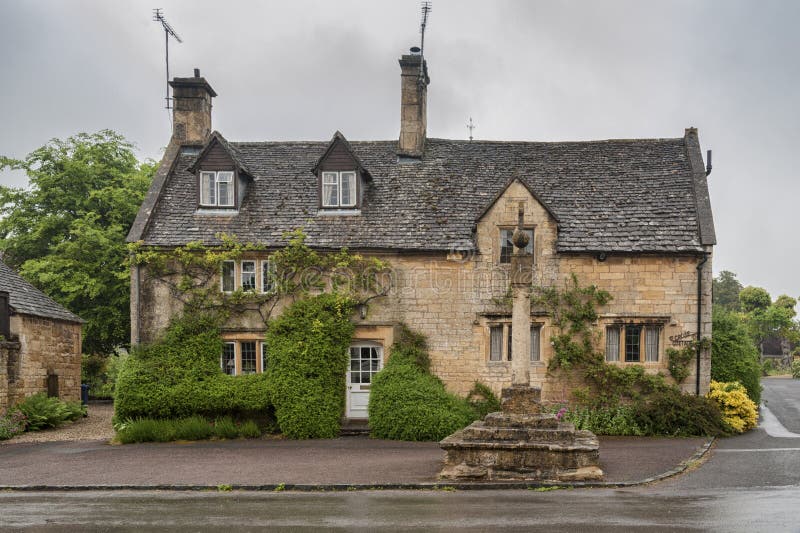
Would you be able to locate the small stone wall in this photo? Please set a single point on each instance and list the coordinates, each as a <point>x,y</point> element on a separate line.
<point>45,347</point>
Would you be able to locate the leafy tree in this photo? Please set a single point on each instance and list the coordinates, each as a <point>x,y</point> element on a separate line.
<point>734,356</point>
<point>754,298</point>
<point>66,232</point>
<point>726,289</point>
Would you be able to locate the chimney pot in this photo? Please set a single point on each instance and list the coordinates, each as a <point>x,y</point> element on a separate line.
<point>191,109</point>
<point>414,82</point>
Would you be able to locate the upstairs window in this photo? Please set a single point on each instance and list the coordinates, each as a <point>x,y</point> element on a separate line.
<point>339,189</point>
<point>248,275</point>
<point>536,354</point>
<point>507,247</point>
<point>216,189</point>
<point>228,276</point>
<point>267,276</point>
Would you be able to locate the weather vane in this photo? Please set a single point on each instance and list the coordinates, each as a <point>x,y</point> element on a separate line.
<point>471,126</point>
<point>168,31</point>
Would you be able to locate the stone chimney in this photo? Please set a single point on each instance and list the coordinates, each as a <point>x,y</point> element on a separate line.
<point>413,113</point>
<point>191,109</point>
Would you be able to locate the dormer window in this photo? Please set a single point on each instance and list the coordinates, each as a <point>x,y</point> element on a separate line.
<point>216,189</point>
<point>339,189</point>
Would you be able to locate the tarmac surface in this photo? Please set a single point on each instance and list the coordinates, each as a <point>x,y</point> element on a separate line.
<point>263,463</point>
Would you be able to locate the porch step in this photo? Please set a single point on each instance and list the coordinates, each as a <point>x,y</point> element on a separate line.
<point>354,428</point>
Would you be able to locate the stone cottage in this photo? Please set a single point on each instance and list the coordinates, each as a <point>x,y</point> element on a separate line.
<point>40,343</point>
<point>630,216</point>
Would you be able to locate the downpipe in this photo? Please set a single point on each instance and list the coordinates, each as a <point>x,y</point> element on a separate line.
<point>699,318</point>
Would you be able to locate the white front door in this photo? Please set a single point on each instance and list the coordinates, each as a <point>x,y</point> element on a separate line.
<point>366,359</point>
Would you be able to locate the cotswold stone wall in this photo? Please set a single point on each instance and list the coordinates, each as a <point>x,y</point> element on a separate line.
<point>454,298</point>
<point>45,346</point>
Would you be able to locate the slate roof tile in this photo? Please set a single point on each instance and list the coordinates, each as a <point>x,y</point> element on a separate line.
<point>612,196</point>
<point>28,300</point>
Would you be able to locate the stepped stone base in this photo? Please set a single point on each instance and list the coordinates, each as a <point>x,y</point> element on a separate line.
<point>521,443</point>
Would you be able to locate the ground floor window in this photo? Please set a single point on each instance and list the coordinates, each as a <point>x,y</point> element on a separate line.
<point>241,357</point>
<point>536,333</point>
<point>635,342</point>
<point>228,361</point>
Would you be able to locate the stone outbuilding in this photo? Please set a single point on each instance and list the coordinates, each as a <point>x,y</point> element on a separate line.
<point>631,216</point>
<point>40,343</point>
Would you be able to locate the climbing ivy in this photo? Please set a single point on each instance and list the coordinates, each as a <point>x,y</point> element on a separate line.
<point>190,272</point>
<point>574,312</point>
<point>307,363</point>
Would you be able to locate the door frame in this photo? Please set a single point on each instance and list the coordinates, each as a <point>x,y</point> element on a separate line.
<point>360,343</point>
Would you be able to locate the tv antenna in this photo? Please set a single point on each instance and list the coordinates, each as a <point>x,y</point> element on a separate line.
<point>168,31</point>
<point>427,6</point>
<point>471,126</point>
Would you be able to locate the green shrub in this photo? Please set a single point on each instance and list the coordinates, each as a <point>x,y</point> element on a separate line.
<point>734,357</point>
<point>249,430</point>
<point>147,430</point>
<point>674,414</point>
<point>12,424</point>
<point>619,420</point>
<point>225,428</point>
<point>408,403</point>
<point>179,376</point>
<point>796,369</point>
<point>193,428</point>
<point>308,359</point>
<point>483,400</point>
<point>43,412</point>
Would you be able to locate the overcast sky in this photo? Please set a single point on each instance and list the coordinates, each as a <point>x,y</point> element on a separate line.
<point>524,70</point>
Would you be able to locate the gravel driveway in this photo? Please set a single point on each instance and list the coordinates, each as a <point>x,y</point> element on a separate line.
<point>93,427</point>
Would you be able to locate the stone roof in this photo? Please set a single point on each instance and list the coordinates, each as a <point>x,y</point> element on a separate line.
<point>640,196</point>
<point>26,299</point>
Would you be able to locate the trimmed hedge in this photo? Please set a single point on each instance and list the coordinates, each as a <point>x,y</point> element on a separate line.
<point>179,376</point>
<point>406,402</point>
<point>734,356</point>
<point>308,358</point>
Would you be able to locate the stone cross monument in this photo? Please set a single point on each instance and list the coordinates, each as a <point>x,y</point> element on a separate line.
<point>521,442</point>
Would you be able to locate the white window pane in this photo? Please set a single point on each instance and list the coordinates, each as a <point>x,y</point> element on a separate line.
<point>228,359</point>
<point>267,276</point>
<point>330,195</point>
<point>207,189</point>
<point>226,177</point>
<point>612,344</point>
<point>248,357</point>
<point>651,344</point>
<point>348,189</point>
<point>535,356</point>
<point>496,343</point>
<point>225,193</point>
<point>228,280</point>
<point>248,275</point>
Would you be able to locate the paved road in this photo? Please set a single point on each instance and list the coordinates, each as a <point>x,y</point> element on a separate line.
<point>750,483</point>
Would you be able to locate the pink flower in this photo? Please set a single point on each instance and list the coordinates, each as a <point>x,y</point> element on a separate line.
<point>561,412</point>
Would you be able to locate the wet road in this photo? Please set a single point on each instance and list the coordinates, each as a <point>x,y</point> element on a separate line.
<point>576,510</point>
<point>749,483</point>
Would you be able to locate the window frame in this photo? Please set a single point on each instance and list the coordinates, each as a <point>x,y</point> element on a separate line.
<point>217,177</point>
<point>254,273</point>
<point>222,276</point>
<point>538,344</point>
<point>338,177</point>
<point>504,330</point>
<point>222,358</point>
<point>646,330</point>
<point>241,357</point>
<point>267,271</point>
<point>531,230</point>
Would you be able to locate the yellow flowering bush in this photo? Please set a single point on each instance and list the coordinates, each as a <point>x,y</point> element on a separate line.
<point>738,410</point>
